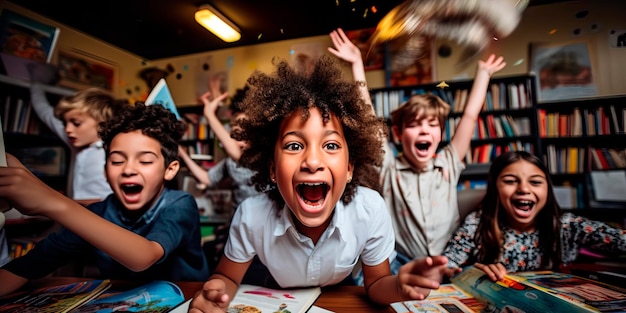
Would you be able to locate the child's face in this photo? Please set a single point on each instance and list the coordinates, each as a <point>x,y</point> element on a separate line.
<point>523,191</point>
<point>81,128</point>
<point>420,139</point>
<point>135,169</point>
<point>311,166</point>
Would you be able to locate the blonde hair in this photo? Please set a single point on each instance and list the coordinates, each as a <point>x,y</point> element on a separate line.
<point>98,103</point>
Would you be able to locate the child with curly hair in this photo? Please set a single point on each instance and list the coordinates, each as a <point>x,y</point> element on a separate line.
<point>519,225</point>
<point>315,148</point>
<point>142,231</point>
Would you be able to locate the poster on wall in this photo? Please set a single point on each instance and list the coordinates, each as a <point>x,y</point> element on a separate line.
<point>563,70</point>
<point>27,38</point>
<point>209,73</point>
<point>80,71</point>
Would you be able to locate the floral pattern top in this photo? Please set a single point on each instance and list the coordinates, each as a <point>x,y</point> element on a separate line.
<point>522,251</point>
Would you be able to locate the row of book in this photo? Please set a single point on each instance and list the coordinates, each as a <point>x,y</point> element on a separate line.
<point>197,127</point>
<point>487,152</point>
<point>585,122</point>
<point>575,160</point>
<point>493,126</point>
<point>18,116</point>
<point>500,96</point>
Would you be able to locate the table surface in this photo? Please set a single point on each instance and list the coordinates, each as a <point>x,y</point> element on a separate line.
<point>337,299</point>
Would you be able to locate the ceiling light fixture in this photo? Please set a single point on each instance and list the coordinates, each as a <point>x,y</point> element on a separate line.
<point>216,23</point>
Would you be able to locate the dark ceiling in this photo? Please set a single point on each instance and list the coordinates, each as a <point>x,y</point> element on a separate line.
<point>156,29</point>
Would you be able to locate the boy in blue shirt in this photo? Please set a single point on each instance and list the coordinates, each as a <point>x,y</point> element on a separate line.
<point>142,231</point>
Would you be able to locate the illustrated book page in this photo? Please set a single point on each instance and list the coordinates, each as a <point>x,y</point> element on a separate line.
<point>155,296</point>
<point>541,291</point>
<point>256,299</point>
<point>62,298</point>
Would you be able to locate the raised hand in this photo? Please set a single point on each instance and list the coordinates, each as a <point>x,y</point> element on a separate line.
<point>344,48</point>
<point>491,65</point>
<point>211,103</point>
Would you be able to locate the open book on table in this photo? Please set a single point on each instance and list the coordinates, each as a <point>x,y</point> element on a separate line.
<point>96,296</point>
<point>538,291</point>
<point>256,299</point>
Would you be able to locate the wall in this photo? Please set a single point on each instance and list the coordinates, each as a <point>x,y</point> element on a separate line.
<point>239,63</point>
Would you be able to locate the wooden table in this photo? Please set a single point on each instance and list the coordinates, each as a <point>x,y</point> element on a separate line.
<point>337,299</point>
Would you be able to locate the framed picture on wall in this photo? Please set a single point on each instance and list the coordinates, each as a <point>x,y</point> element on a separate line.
<point>563,70</point>
<point>80,71</point>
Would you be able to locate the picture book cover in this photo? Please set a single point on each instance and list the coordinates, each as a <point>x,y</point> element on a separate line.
<point>524,292</point>
<point>57,299</point>
<point>160,94</point>
<point>155,296</point>
<point>27,38</point>
<point>542,291</point>
<point>256,299</point>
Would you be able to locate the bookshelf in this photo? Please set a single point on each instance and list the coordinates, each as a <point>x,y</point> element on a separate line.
<point>575,138</point>
<point>38,148</point>
<point>199,140</point>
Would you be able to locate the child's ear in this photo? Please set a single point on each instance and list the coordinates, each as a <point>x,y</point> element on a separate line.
<point>273,172</point>
<point>396,133</point>
<point>350,171</point>
<point>171,170</point>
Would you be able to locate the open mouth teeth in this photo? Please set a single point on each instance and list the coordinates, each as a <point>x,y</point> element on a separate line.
<point>132,188</point>
<point>524,204</point>
<point>313,194</point>
<point>422,145</point>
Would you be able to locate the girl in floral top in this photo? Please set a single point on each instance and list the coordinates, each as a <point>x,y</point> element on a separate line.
<point>520,226</point>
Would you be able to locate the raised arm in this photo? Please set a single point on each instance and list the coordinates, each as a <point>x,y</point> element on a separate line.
<point>465,129</point>
<point>347,51</point>
<point>199,172</point>
<point>211,105</point>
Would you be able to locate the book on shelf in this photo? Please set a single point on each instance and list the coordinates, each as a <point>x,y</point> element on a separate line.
<point>96,296</point>
<point>253,299</point>
<point>536,291</point>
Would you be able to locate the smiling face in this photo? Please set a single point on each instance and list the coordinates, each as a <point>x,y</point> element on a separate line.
<point>523,192</point>
<point>420,139</point>
<point>81,128</point>
<point>311,168</point>
<point>136,170</point>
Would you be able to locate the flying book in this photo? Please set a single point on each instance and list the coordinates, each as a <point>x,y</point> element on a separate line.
<point>161,95</point>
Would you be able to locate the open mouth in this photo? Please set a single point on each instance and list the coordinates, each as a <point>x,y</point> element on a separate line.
<point>313,194</point>
<point>423,146</point>
<point>524,205</point>
<point>131,189</point>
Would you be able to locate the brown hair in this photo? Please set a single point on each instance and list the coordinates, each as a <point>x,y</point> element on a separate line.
<point>422,105</point>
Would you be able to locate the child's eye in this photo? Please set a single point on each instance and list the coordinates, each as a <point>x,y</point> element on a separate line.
<point>117,162</point>
<point>536,182</point>
<point>509,181</point>
<point>293,146</point>
<point>332,146</point>
<point>146,162</point>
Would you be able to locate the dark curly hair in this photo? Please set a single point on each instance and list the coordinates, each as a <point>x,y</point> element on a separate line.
<point>272,97</point>
<point>154,121</point>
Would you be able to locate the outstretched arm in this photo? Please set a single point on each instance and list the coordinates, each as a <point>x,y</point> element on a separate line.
<point>199,172</point>
<point>31,196</point>
<point>414,280</point>
<point>347,51</point>
<point>465,130</point>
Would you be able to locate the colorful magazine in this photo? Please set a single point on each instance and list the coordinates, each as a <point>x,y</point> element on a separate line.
<point>160,94</point>
<point>156,296</point>
<point>537,291</point>
<point>57,299</point>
